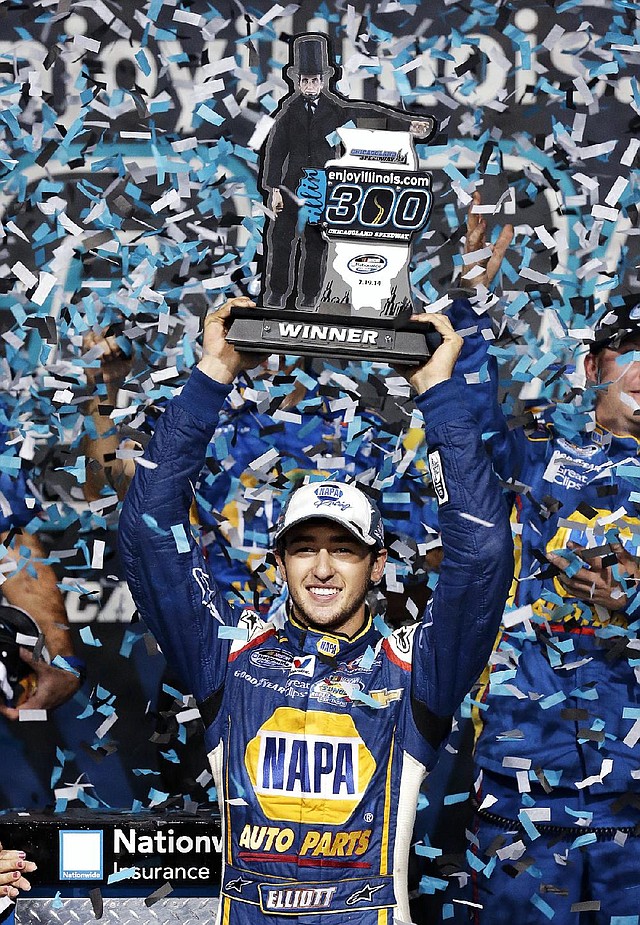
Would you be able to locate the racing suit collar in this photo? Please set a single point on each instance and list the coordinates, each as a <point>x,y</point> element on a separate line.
<point>618,444</point>
<point>330,645</point>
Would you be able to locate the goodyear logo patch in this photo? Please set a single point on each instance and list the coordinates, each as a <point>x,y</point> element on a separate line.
<point>309,767</point>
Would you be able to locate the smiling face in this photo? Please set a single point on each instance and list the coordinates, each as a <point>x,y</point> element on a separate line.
<point>622,379</point>
<point>311,85</point>
<point>329,572</point>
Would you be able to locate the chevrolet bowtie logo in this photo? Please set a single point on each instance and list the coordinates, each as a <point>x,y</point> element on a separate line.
<point>385,696</point>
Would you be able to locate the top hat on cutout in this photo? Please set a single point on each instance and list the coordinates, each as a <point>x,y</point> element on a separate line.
<point>310,55</point>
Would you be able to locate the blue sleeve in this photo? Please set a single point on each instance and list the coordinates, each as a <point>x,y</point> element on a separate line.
<point>167,573</point>
<point>507,447</point>
<point>460,624</point>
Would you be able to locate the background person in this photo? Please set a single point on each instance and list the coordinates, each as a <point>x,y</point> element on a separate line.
<point>30,583</point>
<point>556,753</point>
<point>33,587</point>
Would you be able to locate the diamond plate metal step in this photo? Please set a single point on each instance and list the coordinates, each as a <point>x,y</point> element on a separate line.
<point>118,911</point>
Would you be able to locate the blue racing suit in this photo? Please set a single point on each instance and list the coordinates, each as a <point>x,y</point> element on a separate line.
<point>558,721</point>
<point>318,742</point>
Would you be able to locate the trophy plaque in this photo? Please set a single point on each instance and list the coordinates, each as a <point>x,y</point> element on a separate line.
<point>338,247</point>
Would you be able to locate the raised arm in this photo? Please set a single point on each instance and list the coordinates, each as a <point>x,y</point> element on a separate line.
<point>102,439</point>
<point>168,576</point>
<point>476,367</point>
<point>461,621</point>
<point>477,373</point>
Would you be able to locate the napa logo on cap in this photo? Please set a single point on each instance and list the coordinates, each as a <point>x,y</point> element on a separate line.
<point>310,767</point>
<point>330,494</point>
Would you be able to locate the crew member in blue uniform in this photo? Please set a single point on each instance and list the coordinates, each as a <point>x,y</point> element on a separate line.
<point>558,727</point>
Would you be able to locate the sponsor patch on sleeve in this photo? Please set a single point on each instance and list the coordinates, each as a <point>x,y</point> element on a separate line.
<point>437,477</point>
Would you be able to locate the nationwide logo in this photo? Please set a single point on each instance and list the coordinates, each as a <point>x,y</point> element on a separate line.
<point>80,854</point>
<point>291,330</point>
<point>309,767</point>
<point>364,264</point>
<point>277,659</point>
<point>167,854</point>
<point>163,841</point>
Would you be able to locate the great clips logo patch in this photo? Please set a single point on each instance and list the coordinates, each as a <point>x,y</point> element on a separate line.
<point>309,767</point>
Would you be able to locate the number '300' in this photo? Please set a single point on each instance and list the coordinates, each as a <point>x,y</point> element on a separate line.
<point>377,206</point>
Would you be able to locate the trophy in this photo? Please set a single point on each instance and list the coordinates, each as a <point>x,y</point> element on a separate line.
<point>337,250</point>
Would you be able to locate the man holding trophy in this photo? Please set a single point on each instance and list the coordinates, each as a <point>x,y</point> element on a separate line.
<point>319,734</point>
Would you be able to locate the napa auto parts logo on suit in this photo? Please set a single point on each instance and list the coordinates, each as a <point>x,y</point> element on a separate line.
<point>309,767</point>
